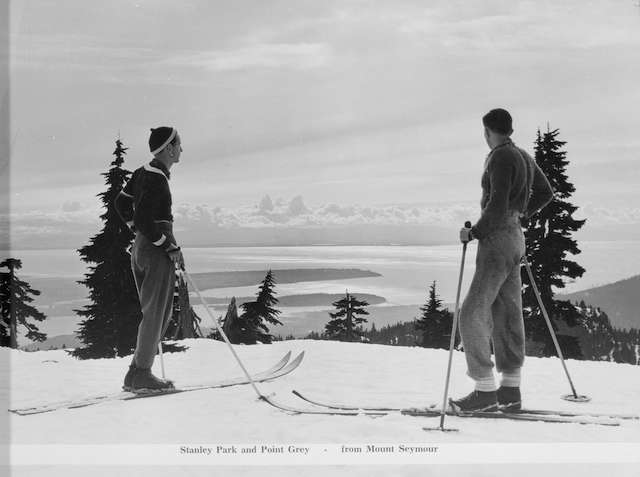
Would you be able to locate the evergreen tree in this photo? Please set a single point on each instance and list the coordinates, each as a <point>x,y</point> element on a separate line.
<point>257,314</point>
<point>314,335</point>
<point>113,315</point>
<point>435,323</point>
<point>15,299</point>
<point>549,241</point>
<point>399,334</point>
<point>237,329</point>
<point>595,333</point>
<point>345,324</point>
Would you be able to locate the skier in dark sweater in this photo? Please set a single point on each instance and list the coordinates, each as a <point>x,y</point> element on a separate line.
<point>513,187</point>
<point>145,205</point>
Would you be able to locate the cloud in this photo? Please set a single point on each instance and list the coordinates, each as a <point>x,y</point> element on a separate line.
<point>598,215</point>
<point>299,56</point>
<point>72,206</point>
<point>79,52</point>
<point>70,227</point>
<point>266,205</point>
<point>283,213</point>
<point>494,26</point>
<point>295,213</point>
<point>291,221</point>
<point>297,207</point>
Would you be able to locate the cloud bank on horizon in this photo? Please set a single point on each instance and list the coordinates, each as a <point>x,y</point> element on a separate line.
<point>293,222</point>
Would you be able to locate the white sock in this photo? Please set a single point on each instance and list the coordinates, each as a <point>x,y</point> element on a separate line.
<point>487,384</point>
<point>511,379</point>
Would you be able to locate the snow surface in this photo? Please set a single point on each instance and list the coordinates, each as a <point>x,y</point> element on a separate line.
<point>341,372</point>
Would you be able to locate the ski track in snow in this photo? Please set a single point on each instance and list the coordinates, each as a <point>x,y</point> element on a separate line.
<point>333,371</point>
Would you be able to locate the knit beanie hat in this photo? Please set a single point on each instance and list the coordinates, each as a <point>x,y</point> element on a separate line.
<point>160,137</point>
<point>498,120</point>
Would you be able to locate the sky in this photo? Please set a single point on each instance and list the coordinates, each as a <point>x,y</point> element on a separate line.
<point>339,113</point>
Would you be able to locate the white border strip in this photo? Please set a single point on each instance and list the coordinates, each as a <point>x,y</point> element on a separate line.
<point>277,453</point>
<point>164,144</point>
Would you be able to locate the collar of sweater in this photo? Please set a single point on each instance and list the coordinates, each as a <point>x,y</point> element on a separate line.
<point>155,163</point>
<point>508,142</point>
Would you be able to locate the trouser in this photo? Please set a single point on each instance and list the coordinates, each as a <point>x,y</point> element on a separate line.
<point>154,274</point>
<point>492,310</point>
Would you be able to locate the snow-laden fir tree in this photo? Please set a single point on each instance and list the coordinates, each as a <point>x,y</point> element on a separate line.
<point>549,242</point>
<point>435,322</point>
<point>346,323</point>
<point>258,314</point>
<point>15,307</point>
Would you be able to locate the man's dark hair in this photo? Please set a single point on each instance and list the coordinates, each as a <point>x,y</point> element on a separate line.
<point>498,120</point>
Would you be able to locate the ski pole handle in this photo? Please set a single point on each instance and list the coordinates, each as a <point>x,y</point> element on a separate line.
<point>465,233</point>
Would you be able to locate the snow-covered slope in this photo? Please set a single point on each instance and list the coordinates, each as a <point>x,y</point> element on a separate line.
<point>345,372</point>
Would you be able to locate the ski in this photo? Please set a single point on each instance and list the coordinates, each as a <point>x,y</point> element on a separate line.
<point>520,416</point>
<point>429,412</point>
<point>549,412</point>
<point>278,370</point>
<point>524,414</point>
<point>346,407</point>
<point>542,412</point>
<point>325,412</point>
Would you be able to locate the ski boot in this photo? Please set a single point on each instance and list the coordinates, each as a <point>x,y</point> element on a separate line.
<point>144,382</point>
<point>476,401</point>
<point>128,378</point>
<point>509,398</point>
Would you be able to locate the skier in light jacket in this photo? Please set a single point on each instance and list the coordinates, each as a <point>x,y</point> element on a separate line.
<point>513,187</point>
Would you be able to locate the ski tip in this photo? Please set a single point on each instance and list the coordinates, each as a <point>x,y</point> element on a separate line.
<point>28,412</point>
<point>298,359</point>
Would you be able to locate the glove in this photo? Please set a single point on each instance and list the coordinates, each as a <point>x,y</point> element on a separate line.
<point>466,235</point>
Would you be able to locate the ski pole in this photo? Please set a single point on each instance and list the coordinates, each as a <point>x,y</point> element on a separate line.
<point>452,341</point>
<point>161,358</point>
<point>575,397</point>
<point>164,330</point>
<point>224,336</point>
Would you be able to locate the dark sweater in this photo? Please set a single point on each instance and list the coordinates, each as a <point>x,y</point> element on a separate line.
<point>512,182</point>
<point>145,202</point>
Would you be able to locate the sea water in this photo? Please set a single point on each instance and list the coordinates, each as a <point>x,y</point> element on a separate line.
<point>406,271</point>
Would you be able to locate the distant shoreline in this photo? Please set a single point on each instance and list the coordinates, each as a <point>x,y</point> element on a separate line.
<point>210,280</point>
<point>58,290</point>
